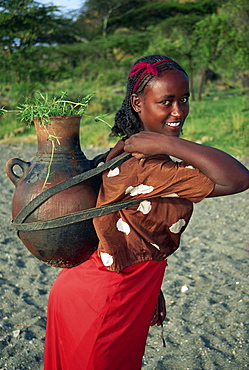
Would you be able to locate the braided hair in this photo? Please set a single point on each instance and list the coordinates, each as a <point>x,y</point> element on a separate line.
<point>143,71</point>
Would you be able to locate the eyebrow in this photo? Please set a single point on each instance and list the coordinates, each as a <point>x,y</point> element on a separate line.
<point>172,96</point>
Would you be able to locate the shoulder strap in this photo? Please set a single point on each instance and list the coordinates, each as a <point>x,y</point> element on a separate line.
<point>18,223</point>
<point>74,217</point>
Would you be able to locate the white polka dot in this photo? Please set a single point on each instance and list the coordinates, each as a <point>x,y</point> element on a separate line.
<point>114,172</point>
<point>177,226</point>
<point>140,189</point>
<point>191,167</point>
<point>172,195</point>
<point>123,227</point>
<point>156,246</point>
<point>106,258</point>
<point>144,207</point>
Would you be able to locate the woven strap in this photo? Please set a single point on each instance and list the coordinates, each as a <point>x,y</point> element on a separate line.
<point>73,217</point>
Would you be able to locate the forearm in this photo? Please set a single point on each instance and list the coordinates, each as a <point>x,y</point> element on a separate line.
<point>217,165</point>
<point>229,175</point>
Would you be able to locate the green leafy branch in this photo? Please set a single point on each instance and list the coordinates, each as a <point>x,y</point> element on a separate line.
<point>101,119</point>
<point>46,107</point>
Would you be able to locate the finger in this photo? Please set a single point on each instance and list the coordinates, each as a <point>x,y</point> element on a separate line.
<point>161,318</point>
<point>138,155</point>
<point>128,142</point>
<point>162,311</point>
<point>161,307</point>
<point>155,317</point>
<point>154,320</point>
<point>128,148</point>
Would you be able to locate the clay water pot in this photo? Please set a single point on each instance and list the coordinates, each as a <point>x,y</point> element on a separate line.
<point>69,245</point>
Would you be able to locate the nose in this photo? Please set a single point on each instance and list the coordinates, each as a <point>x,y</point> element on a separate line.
<point>176,110</point>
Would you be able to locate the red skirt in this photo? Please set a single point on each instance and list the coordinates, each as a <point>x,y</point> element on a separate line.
<point>98,319</point>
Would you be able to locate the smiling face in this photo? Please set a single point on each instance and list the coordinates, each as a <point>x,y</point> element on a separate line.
<point>163,106</point>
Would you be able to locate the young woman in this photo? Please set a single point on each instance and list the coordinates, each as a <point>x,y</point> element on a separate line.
<point>99,312</point>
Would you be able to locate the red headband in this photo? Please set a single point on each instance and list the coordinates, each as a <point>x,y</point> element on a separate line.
<point>148,68</point>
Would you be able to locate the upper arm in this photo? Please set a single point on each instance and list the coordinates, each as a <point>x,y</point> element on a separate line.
<point>236,187</point>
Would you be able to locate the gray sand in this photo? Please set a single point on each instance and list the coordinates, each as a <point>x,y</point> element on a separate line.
<point>206,289</point>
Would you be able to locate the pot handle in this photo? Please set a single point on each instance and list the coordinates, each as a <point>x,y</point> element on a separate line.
<point>11,163</point>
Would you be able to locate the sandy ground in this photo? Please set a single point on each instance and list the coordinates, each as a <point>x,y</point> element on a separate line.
<point>206,289</point>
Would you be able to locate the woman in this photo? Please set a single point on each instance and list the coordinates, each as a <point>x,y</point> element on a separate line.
<point>99,312</point>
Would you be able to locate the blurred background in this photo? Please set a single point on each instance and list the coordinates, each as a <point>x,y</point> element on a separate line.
<point>84,47</point>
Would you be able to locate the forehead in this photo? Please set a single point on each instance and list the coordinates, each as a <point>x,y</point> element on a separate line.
<point>171,82</point>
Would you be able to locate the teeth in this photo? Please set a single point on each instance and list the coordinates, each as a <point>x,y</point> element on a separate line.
<point>173,124</point>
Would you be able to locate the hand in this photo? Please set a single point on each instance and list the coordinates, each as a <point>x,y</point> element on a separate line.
<point>228,175</point>
<point>160,311</point>
<point>145,144</point>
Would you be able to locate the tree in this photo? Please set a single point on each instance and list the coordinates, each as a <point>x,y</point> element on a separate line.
<point>174,35</point>
<point>211,37</point>
<point>25,24</point>
<point>222,39</point>
<point>99,12</point>
<point>151,13</point>
<point>237,16</point>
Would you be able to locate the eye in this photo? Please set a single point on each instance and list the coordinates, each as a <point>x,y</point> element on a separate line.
<point>166,102</point>
<point>184,100</point>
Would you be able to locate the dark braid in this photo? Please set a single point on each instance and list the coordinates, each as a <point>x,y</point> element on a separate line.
<point>127,121</point>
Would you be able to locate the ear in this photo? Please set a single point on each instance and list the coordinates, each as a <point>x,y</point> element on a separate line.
<point>136,102</point>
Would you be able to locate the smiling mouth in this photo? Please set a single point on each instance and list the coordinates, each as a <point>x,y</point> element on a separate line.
<point>173,124</point>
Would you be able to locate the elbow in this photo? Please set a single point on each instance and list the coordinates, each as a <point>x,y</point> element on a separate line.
<point>237,185</point>
<point>239,180</point>
<point>231,180</point>
<point>241,184</point>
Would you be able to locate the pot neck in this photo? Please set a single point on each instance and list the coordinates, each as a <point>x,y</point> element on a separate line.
<point>63,132</point>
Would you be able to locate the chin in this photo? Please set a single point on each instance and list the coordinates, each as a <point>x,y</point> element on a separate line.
<point>174,133</point>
